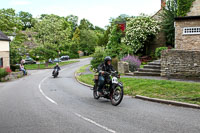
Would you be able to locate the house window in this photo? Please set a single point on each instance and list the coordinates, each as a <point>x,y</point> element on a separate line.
<point>1,62</point>
<point>191,30</point>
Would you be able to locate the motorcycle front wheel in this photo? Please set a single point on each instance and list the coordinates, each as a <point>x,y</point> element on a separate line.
<point>117,95</point>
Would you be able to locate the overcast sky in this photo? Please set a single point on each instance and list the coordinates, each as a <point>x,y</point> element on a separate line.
<point>97,12</point>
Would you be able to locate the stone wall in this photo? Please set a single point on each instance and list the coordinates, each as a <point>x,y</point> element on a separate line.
<point>195,9</point>
<point>123,67</point>
<point>187,42</point>
<point>6,58</point>
<point>180,64</point>
<point>12,76</point>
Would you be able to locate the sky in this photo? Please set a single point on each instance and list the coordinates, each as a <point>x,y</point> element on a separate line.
<point>97,12</point>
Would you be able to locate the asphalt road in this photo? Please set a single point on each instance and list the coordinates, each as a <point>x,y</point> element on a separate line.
<point>38,103</point>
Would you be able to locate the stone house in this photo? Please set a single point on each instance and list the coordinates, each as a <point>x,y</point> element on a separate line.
<point>4,51</point>
<point>159,40</point>
<point>184,60</point>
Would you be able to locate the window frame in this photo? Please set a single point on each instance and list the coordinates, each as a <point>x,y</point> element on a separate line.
<point>191,31</point>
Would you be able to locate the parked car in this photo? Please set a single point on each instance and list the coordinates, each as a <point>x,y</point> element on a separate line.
<point>50,61</point>
<point>63,58</point>
<point>57,60</point>
<point>29,61</point>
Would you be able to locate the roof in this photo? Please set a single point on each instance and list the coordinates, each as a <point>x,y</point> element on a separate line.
<point>187,18</point>
<point>3,37</point>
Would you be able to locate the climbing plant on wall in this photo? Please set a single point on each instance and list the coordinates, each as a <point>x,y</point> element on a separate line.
<point>184,7</point>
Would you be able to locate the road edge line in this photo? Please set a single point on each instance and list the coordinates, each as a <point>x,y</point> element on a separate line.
<point>95,123</point>
<point>41,91</point>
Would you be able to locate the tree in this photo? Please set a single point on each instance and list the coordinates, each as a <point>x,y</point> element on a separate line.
<point>85,25</point>
<point>88,41</point>
<point>73,20</point>
<point>140,31</point>
<point>76,36</point>
<point>120,18</point>
<point>17,48</point>
<point>9,23</point>
<point>115,46</point>
<point>51,34</point>
<point>168,15</point>
<point>26,20</point>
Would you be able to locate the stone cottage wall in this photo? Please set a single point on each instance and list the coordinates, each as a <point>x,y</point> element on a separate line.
<point>6,59</point>
<point>180,64</point>
<point>186,42</point>
<point>159,40</point>
<point>195,9</point>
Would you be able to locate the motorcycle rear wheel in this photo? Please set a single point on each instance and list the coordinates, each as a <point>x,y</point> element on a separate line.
<point>95,92</point>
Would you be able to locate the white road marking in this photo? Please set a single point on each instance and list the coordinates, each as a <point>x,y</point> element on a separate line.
<point>95,123</point>
<point>41,91</point>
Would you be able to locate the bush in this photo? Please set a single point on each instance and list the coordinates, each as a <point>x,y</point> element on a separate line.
<point>115,63</point>
<point>73,56</point>
<point>3,73</point>
<point>98,57</point>
<point>134,62</point>
<point>159,50</point>
<point>14,67</point>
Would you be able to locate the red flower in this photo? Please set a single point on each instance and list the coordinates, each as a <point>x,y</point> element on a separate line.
<point>8,70</point>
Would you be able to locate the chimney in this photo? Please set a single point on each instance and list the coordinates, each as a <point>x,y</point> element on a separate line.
<point>163,3</point>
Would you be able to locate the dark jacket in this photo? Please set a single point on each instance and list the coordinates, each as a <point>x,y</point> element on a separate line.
<point>57,67</point>
<point>105,67</point>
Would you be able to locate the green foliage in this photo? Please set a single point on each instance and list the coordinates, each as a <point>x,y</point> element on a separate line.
<point>9,22</point>
<point>3,73</point>
<point>140,31</point>
<point>73,20</point>
<point>88,41</point>
<point>115,63</point>
<point>159,50</point>
<point>85,25</point>
<point>53,35</point>
<point>73,50</point>
<point>168,15</point>
<point>115,47</point>
<point>98,57</point>
<point>184,7</point>
<point>14,67</point>
<point>17,48</point>
<point>26,20</point>
<point>103,40</point>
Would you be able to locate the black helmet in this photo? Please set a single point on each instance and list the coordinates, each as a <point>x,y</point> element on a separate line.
<point>107,58</point>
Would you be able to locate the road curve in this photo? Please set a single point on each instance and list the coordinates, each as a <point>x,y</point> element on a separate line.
<point>38,103</point>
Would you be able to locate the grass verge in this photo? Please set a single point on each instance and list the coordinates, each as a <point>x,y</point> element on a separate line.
<point>82,69</point>
<point>42,66</point>
<point>163,89</point>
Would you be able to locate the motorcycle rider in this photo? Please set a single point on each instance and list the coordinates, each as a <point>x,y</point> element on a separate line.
<point>56,67</point>
<point>102,68</point>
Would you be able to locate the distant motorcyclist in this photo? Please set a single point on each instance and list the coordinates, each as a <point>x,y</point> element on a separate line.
<point>56,67</point>
<point>102,68</point>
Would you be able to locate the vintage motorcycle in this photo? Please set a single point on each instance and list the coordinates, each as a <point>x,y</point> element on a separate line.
<point>113,89</point>
<point>56,72</point>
